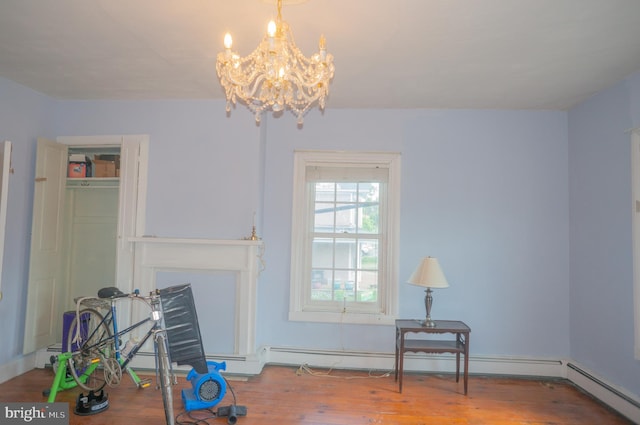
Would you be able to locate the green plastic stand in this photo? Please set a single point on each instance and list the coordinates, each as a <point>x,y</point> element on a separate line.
<point>64,381</point>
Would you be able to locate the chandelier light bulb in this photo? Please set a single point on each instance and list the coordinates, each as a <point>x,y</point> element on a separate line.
<point>271,29</point>
<point>323,48</point>
<point>228,41</point>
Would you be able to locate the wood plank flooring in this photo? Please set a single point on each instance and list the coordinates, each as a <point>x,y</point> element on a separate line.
<point>294,396</point>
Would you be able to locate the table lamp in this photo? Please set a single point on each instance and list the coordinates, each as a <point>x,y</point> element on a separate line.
<point>429,275</point>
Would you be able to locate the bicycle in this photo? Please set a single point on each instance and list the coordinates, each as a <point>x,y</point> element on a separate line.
<point>97,356</point>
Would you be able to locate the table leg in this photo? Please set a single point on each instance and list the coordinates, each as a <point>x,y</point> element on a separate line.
<point>466,362</point>
<point>395,368</point>
<point>401,360</point>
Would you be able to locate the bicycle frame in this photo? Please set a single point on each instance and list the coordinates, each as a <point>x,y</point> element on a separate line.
<point>101,340</point>
<point>110,319</point>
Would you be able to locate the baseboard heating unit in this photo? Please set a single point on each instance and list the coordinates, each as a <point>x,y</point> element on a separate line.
<point>614,397</point>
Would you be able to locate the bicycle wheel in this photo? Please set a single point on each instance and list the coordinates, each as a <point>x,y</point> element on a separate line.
<point>164,369</point>
<point>90,349</point>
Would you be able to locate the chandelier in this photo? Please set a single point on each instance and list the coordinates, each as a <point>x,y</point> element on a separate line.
<point>276,76</point>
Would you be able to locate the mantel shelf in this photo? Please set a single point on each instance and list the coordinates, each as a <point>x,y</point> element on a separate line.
<point>195,241</point>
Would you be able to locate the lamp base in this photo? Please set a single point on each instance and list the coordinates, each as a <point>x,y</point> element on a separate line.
<point>428,323</point>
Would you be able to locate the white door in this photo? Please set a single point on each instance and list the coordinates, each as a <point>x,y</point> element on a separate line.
<point>47,297</point>
<point>46,288</point>
<point>5,168</point>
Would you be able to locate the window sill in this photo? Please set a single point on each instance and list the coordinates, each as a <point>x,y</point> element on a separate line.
<point>331,317</point>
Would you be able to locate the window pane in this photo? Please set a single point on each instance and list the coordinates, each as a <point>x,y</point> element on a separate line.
<point>323,217</point>
<point>344,285</point>
<point>368,253</point>
<point>348,190</point>
<point>325,191</point>
<point>322,254</point>
<point>369,192</point>
<point>320,285</point>
<point>367,286</point>
<point>368,196</point>
<point>346,253</point>
<point>324,207</point>
<point>370,219</point>
<point>346,208</point>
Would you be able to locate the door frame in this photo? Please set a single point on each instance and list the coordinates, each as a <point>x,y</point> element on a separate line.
<point>5,170</point>
<point>131,219</point>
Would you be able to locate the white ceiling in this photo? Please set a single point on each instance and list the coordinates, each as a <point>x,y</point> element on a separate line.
<point>502,54</point>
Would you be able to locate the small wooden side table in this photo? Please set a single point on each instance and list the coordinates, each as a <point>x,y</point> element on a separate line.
<point>458,346</point>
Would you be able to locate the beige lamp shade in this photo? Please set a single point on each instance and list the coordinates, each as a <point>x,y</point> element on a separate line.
<point>429,274</point>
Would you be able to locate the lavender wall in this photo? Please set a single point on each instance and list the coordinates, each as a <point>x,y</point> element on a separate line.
<point>204,168</point>
<point>600,236</point>
<point>484,191</point>
<point>24,115</point>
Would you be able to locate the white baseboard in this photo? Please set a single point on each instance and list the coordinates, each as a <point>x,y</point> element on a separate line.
<point>617,398</point>
<point>17,367</point>
<point>441,363</point>
<point>236,364</point>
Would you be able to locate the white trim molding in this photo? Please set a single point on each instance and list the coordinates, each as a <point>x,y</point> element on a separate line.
<point>17,367</point>
<point>415,362</point>
<point>635,211</point>
<point>153,255</point>
<point>382,167</point>
<point>617,398</point>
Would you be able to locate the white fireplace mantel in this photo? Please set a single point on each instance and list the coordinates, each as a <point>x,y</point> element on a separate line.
<point>154,254</point>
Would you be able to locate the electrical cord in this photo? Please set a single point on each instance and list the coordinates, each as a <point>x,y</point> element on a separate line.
<point>192,420</point>
<point>202,416</point>
<point>233,393</point>
<point>305,368</point>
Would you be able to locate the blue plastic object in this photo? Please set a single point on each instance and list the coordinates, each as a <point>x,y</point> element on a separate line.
<point>207,389</point>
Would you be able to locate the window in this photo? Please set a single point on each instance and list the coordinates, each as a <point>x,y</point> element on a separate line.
<point>344,237</point>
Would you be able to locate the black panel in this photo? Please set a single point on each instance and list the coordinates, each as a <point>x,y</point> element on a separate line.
<point>183,331</point>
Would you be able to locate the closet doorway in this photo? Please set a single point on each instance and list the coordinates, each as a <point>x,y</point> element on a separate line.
<point>81,227</point>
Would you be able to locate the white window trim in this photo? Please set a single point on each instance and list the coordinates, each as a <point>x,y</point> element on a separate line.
<point>635,189</point>
<point>389,160</point>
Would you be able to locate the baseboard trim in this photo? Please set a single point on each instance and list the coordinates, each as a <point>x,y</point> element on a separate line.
<point>236,364</point>
<point>613,396</point>
<point>17,367</point>
<point>441,363</point>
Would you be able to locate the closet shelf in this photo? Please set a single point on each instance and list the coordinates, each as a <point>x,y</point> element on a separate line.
<point>93,182</point>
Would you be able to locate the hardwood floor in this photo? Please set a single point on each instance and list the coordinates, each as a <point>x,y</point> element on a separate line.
<point>294,396</point>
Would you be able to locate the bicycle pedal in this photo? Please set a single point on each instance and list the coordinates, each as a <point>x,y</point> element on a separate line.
<point>144,383</point>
